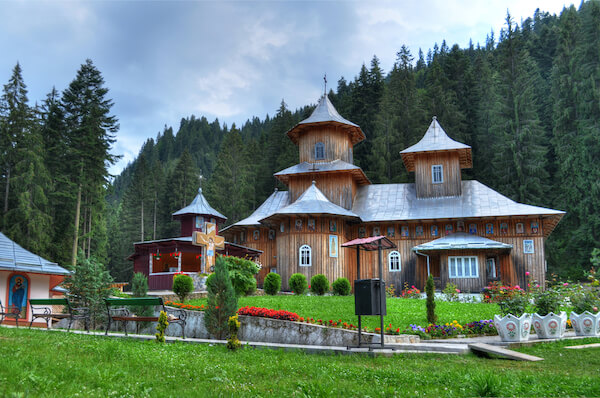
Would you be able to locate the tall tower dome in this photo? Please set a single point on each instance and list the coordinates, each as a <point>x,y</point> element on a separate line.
<point>437,161</point>
<point>325,141</point>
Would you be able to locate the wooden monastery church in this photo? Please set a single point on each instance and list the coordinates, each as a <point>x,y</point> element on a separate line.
<point>459,231</point>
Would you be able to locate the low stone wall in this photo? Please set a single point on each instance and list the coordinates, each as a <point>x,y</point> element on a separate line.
<point>269,331</point>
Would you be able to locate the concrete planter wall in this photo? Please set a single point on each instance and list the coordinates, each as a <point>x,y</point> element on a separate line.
<point>513,329</point>
<point>586,324</point>
<point>551,326</point>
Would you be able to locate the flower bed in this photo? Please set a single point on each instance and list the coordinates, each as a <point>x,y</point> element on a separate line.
<point>186,306</point>
<point>267,313</point>
<point>452,329</point>
<point>496,292</point>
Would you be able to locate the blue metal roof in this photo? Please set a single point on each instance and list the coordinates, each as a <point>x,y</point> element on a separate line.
<point>461,241</point>
<point>14,258</point>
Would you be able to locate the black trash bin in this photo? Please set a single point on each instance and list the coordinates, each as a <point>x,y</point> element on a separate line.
<point>367,299</point>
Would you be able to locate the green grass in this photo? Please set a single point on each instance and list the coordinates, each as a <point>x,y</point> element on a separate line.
<point>400,312</point>
<point>49,364</point>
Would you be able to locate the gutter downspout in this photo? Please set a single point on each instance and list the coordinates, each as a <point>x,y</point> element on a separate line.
<point>421,254</point>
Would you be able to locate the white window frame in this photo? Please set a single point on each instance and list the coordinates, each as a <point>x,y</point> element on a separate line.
<point>305,256</point>
<point>319,146</point>
<point>391,256</point>
<point>435,167</point>
<point>461,267</point>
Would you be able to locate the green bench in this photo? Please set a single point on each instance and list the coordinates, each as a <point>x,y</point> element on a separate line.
<point>42,308</point>
<point>9,311</point>
<point>119,310</point>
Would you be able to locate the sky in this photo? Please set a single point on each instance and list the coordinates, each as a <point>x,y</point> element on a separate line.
<point>166,60</point>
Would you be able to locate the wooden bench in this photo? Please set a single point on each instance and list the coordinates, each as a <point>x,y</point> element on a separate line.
<point>42,308</point>
<point>9,311</point>
<point>119,311</point>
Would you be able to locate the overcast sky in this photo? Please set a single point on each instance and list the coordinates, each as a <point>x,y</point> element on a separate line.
<point>165,60</point>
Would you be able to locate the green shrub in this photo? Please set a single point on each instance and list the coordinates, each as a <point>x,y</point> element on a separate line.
<point>341,287</point>
<point>430,290</point>
<point>272,283</point>
<point>222,301</point>
<point>233,343</point>
<point>209,280</point>
<point>319,284</point>
<point>546,301</point>
<point>139,288</point>
<point>183,285</point>
<point>585,300</point>
<point>451,292</point>
<point>241,273</point>
<point>161,326</point>
<point>298,284</point>
<point>516,304</point>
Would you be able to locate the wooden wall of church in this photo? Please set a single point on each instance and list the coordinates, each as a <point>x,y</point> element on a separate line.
<point>260,238</point>
<point>451,185</point>
<point>337,141</point>
<point>339,188</point>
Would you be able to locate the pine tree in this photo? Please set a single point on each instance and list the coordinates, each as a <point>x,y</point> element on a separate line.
<point>222,300</point>
<point>90,131</point>
<point>181,187</point>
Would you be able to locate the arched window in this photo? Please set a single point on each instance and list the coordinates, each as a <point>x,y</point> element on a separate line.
<point>319,151</point>
<point>394,263</point>
<point>305,254</point>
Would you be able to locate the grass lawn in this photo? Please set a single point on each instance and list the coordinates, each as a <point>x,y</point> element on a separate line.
<point>400,312</point>
<point>50,364</point>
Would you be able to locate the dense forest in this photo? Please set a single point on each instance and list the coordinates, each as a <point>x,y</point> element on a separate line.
<point>528,102</point>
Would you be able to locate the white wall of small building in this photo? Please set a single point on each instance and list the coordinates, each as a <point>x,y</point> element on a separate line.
<point>39,287</point>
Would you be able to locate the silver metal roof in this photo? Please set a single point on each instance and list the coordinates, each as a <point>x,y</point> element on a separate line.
<point>461,240</point>
<point>435,139</point>
<point>391,202</point>
<point>306,167</point>
<point>199,206</point>
<point>277,200</point>
<point>13,257</point>
<point>326,112</point>
<point>313,201</point>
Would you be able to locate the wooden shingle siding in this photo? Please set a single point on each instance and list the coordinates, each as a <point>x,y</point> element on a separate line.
<point>451,185</point>
<point>340,188</point>
<point>337,141</point>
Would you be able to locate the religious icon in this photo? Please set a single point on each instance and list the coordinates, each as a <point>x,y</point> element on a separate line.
<point>534,227</point>
<point>213,221</point>
<point>332,226</point>
<point>311,224</point>
<point>376,231</point>
<point>520,227</point>
<point>472,229</point>
<point>17,290</point>
<point>419,230</point>
<point>528,247</point>
<point>200,223</point>
<point>281,227</point>
<point>391,232</point>
<point>449,229</point>
<point>434,230</point>
<point>362,232</point>
<point>489,228</point>
<point>333,246</point>
<point>298,224</point>
<point>503,228</point>
<point>271,234</point>
<point>460,226</point>
<point>404,231</point>
<point>256,234</point>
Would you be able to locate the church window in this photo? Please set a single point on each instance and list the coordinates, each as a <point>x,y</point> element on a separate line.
<point>394,261</point>
<point>437,173</point>
<point>319,151</point>
<point>305,256</point>
<point>463,267</point>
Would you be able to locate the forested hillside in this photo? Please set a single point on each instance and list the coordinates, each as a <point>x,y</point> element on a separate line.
<point>528,102</point>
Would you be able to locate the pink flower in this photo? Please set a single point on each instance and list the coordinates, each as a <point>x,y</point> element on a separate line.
<point>565,284</point>
<point>457,290</point>
<point>517,287</point>
<point>527,273</point>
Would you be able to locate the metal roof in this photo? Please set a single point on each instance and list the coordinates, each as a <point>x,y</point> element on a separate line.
<point>325,112</point>
<point>371,243</point>
<point>460,241</point>
<point>391,202</point>
<point>436,140</point>
<point>323,167</point>
<point>199,206</point>
<point>277,200</point>
<point>313,201</point>
<point>14,258</point>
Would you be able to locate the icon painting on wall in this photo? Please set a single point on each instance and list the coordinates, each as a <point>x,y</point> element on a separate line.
<point>434,230</point>
<point>391,232</point>
<point>472,229</point>
<point>520,228</point>
<point>17,294</point>
<point>419,230</point>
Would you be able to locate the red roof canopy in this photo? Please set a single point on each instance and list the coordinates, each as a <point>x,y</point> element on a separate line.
<point>371,243</point>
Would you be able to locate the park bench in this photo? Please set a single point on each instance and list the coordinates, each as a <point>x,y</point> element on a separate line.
<point>42,308</point>
<point>119,310</point>
<point>9,311</point>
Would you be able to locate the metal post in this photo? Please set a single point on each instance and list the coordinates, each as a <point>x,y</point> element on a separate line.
<point>381,288</point>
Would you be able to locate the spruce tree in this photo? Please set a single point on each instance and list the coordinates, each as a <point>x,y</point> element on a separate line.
<point>222,301</point>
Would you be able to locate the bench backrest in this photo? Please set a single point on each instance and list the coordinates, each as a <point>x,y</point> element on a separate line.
<point>49,301</point>
<point>139,301</point>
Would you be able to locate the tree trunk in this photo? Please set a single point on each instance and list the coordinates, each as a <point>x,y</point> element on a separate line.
<point>7,190</point>
<point>142,220</point>
<point>154,221</point>
<point>89,239</point>
<point>77,213</point>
